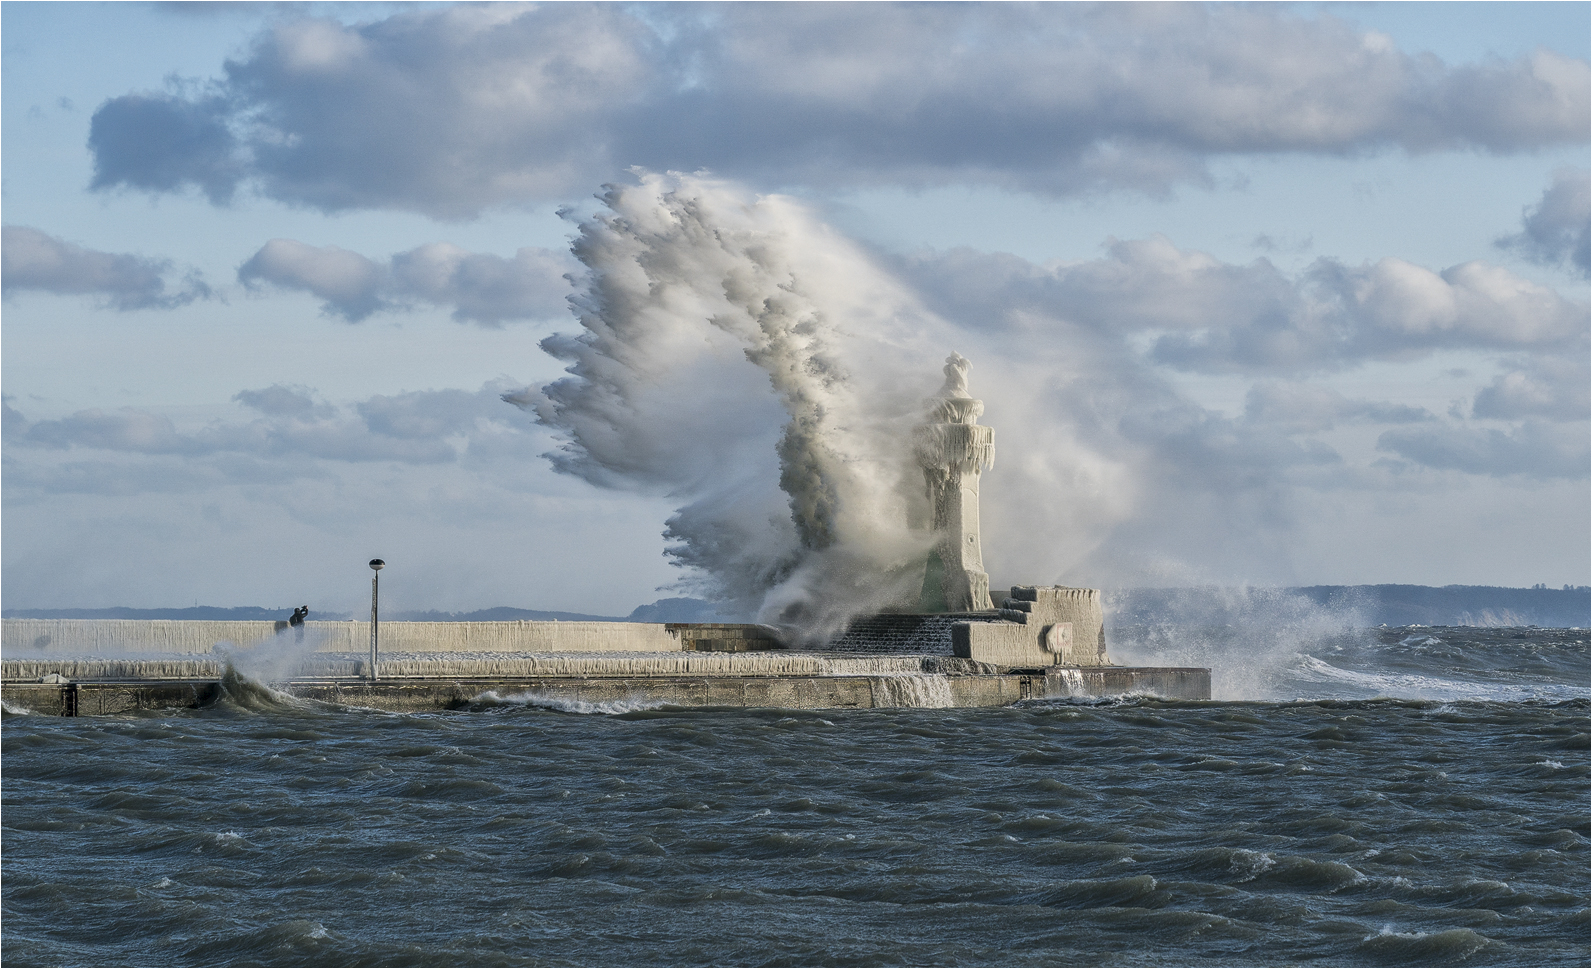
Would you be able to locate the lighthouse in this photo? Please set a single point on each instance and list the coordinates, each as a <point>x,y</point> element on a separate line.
<point>954,450</point>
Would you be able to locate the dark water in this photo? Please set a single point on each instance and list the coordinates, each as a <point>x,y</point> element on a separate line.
<point>1339,830</point>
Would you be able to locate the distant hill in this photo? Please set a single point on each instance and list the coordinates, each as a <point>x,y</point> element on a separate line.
<point>256,613</point>
<point>227,613</point>
<point>1376,605</point>
<point>1467,605</point>
<point>677,610</point>
<point>496,614</point>
<point>1392,605</point>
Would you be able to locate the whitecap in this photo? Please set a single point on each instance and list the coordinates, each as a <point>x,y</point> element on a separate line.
<point>1388,932</point>
<point>568,705</point>
<point>1412,686</point>
<point>1251,864</point>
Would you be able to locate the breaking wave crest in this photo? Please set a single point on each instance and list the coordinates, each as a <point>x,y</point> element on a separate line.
<point>491,698</point>
<point>1275,649</point>
<point>239,691</point>
<point>741,357</point>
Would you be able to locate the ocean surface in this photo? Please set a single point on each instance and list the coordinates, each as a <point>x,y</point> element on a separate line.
<point>1402,796</point>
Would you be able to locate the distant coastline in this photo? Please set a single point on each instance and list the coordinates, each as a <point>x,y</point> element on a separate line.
<point>1373,605</point>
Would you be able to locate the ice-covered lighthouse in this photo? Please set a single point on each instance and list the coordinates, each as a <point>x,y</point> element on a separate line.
<point>954,450</point>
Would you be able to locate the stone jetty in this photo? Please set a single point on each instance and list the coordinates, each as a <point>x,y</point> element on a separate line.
<point>1042,643</point>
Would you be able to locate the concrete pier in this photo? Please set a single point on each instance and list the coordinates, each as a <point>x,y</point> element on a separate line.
<point>794,692</point>
<point>84,668</point>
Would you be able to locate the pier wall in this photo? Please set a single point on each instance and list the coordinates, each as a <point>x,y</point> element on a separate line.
<point>478,666</point>
<point>113,637</point>
<point>834,688</point>
<point>76,667</point>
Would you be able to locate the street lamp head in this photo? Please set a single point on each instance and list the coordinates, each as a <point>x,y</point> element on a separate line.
<point>377,564</point>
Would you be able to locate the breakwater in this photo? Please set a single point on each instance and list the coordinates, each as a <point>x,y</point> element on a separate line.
<point>89,667</point>
<point>832,690</point>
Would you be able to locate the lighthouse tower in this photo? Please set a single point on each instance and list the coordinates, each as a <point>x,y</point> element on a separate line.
<point>954,449</point>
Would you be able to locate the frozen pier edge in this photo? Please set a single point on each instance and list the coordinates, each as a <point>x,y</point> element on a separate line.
<point>89,667</point>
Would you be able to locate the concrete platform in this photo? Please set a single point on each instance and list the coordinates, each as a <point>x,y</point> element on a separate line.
<point>829,683</point>
<point>103,667</point>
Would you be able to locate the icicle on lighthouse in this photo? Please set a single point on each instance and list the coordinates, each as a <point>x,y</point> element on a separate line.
<point>954,450</point>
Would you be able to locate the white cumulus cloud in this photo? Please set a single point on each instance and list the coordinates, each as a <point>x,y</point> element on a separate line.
<point>1556,231</point>
<point>1209,316</point>
<point>35,260</point>
<point>455,110</point>
<point>480,287</point>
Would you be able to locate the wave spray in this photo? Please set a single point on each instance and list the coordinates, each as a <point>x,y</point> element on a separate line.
<point>737,355</point>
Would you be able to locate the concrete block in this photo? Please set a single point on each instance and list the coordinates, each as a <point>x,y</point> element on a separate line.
<point>107,699</point>
<point>1169,682</point>
<point>1052,605</point>
<point>999,644</point>
<point>40,698</point>
<point>987,691</point>
<point>1040,626</point>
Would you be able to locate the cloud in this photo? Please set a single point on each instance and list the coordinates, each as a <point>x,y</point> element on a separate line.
<point>430,414</point>
<point>1555,388</point>
<point>34,260</point>
<point>121,430</point>
<point>129,474</point>
<point>419,428</point>
<point>1304,409</point>
<point>481,288</point>
<point>452,111</point>
<point>280,401</point>
<point>102,525</point>
<point>1534,449</point>
<point>1556,231</point>
<point>1217,448</point>
<point>347,281</point>
<point>1205,315</point>
<point>484,288</point>
<point>12,422</point>
<point>164,142</point>
<point>1340,315</point>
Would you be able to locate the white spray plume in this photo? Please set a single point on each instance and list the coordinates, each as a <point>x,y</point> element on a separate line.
<point>739,356</point>
<point>1256,641</point>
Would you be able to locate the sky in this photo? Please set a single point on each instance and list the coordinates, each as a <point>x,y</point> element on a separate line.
<point>1283,294</point>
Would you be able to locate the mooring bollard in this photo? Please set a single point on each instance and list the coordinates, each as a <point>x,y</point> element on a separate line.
<point>376,566</point>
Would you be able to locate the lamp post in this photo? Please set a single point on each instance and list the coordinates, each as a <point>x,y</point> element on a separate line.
<point>376,566</point>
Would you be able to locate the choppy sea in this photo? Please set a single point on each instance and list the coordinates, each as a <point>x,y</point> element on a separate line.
<point>1383,797</point>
